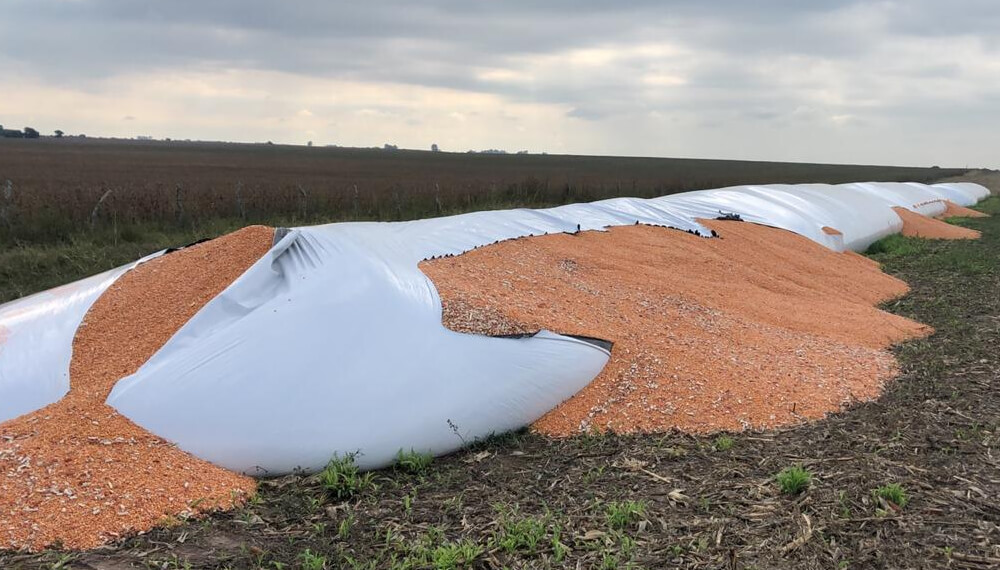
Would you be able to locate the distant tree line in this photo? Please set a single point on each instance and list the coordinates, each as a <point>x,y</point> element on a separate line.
<point>27,133</point>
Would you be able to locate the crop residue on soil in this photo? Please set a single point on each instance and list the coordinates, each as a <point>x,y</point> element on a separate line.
<point>79,474</point>
<point>918,225</point>
<point>759,328</point>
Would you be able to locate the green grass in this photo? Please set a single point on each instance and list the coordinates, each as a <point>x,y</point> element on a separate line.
<point>621,514</point>
<point>343,480</point>
<point>989,206</point>
<point>724,443</point>
<point>449,555</point>
<point>430,551</point>
<point>896,245</point>
<point>519,534</point>
<point>957,221</point>
<point>27,268</point>
<point>311,561</point>
<point>794,480</point>
<point>413,461</point>
<point>892,493</point>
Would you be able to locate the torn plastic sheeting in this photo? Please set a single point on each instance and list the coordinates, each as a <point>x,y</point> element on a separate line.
<point>362,361</point>
<point>323,348</point>
<point>35,357</point>
<point>36,341</point>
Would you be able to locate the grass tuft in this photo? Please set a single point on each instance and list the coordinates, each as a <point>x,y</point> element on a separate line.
<point>344,480</point>
<point>893,493</point>
<point>794,480</point>
<point>413,461</point>
<point>312,561</point>
<point>724,443</point>
<point>621,514</point>
<point>519,534</point>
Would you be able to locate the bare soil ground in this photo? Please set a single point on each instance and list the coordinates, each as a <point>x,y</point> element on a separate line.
<point>526,501</point>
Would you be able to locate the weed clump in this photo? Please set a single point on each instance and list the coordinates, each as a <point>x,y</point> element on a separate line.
<point>793,480</point>
<point>413,461</point>
<point>893,493</point>
<point>343,479</point>
<point>312,561</point>
<point>621,514</point>
<point>724,443</point>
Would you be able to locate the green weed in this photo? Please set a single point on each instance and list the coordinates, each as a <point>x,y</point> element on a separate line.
<point>893,493</point>
<point>413,461</point>
<point>793,480</point>
<point>518,533</point>
<point>724,443</point>
<point>345,526</point>
<point>621,514</point>
<point>344,480</point>
<point>450,555</point>
<point>311,561</point>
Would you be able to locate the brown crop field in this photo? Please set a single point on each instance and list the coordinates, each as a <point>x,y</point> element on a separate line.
<point>53,188</point>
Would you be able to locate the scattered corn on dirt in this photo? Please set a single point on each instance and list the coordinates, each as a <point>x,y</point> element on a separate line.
<point>918,225</point>
<point>758,328</point>
<point>77,473</point>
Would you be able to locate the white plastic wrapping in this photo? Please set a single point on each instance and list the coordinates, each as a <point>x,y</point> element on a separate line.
<point>961,193</point>
<point>333,343</point>
<point>36,342</point>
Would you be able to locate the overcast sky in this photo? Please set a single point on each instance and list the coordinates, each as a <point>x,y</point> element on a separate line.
<point>909,82</point>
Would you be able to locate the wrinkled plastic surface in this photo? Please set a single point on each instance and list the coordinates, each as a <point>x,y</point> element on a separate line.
<point>36,342</point>
<point>333,343</point>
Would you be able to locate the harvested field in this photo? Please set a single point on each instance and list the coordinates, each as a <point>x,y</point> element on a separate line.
<point>77,473</point>
<point>917,225</point>
<point>56,183</point>
<point>757,329</point>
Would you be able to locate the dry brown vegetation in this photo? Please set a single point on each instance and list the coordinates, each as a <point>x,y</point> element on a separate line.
<point>59,187</point>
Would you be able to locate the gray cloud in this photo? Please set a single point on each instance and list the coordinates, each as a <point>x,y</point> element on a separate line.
<point>840,64</point>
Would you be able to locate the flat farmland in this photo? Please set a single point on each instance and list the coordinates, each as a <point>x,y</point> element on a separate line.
<point>61,186</point>
<point>73,207</point>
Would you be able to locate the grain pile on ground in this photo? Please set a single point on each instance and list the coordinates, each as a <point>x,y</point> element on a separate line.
<point>78,473</point>
<point>918,225</point>
<point>956,211</point>
<point>759,328</point>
